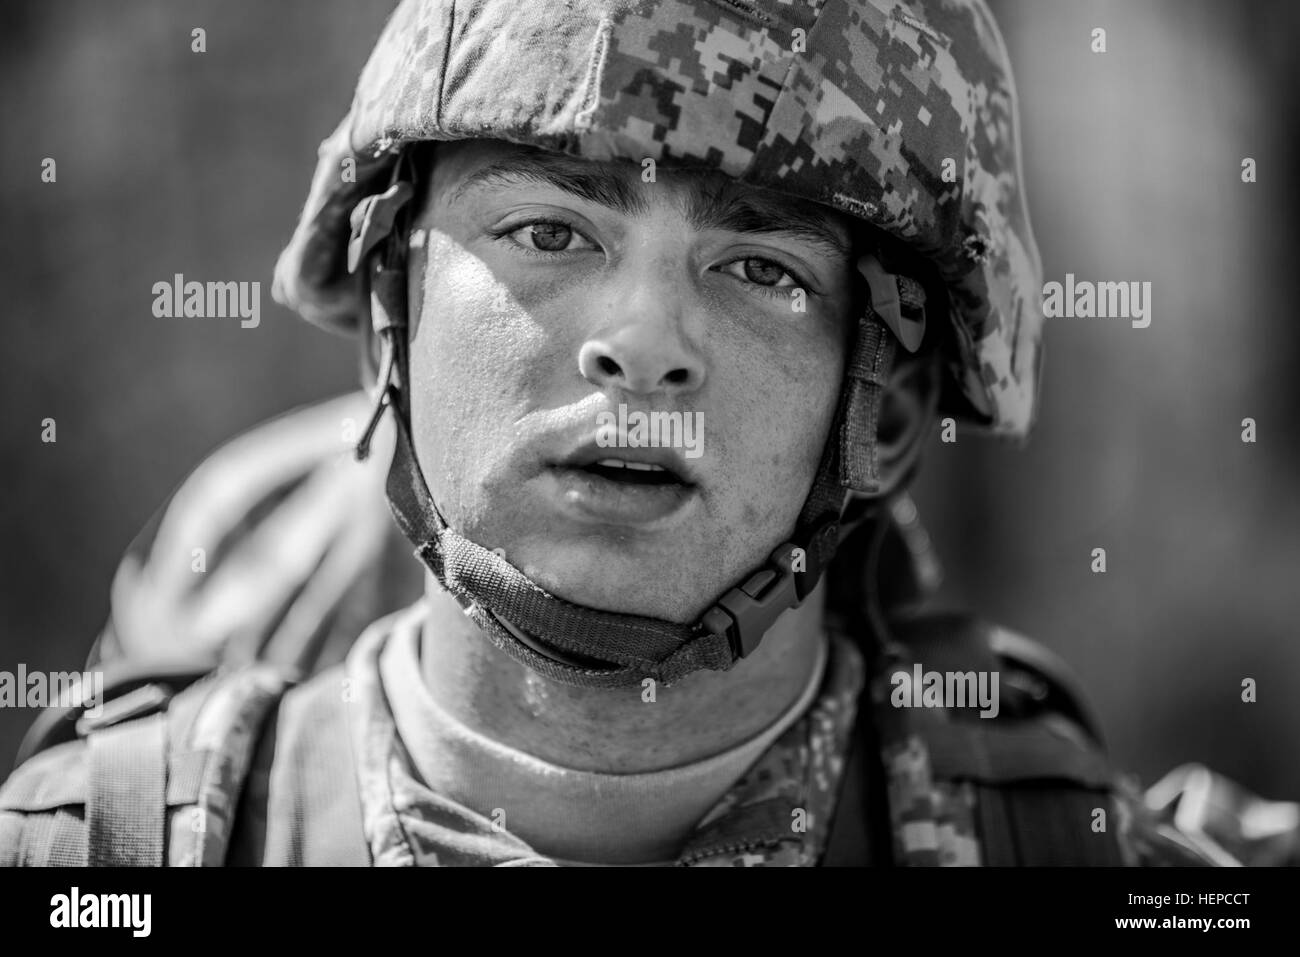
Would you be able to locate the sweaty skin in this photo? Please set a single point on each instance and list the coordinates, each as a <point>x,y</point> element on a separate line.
<point>538,309</point>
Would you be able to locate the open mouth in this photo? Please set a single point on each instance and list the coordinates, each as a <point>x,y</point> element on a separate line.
<point>623,489</point>
<point>633,473</point>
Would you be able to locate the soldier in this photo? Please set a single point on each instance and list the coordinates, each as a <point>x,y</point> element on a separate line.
<point>798,229</point>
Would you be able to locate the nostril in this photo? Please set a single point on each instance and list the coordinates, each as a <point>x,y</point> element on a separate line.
<point>608,366</point>
<point>677,377</point>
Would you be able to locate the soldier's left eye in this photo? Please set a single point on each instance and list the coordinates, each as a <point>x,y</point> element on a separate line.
<point>762,272</point>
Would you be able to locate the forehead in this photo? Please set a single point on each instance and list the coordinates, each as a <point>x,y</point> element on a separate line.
<point>706,199</point>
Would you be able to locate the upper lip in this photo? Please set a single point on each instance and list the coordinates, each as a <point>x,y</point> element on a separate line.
<point>589,453</point>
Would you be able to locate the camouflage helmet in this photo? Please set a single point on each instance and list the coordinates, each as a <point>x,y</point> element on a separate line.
<point>900,114</point>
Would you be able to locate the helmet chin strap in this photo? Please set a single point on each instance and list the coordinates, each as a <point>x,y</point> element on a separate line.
<point>571,643</point>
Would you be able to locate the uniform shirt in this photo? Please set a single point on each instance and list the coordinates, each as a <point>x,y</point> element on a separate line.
<point>769,799</point>
<point>570,815</point>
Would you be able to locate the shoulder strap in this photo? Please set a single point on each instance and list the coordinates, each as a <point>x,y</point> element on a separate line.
<point>126,784</point>
<point>130,688</point>
<point>1022,788</point>
<point>215,733</point>
<point>301,805</point>
<point>156,781</point>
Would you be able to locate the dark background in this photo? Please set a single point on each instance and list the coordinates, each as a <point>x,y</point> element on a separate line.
<point>170,161</point>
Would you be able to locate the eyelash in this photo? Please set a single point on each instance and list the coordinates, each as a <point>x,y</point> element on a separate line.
<point>773,292</point>
<point>504,234</point>
<point>758,289</point>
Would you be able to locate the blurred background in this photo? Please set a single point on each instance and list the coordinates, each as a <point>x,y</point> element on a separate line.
<point>173,162</point>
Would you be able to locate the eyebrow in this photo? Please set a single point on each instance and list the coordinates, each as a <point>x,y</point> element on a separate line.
<point>731,206</point>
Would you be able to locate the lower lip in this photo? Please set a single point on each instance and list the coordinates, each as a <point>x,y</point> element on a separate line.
<point>595,499</point>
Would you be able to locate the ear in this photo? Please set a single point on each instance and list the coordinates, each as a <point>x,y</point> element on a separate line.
<point>907,412</point>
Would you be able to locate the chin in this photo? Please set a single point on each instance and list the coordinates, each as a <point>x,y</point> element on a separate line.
<point>614,578</point>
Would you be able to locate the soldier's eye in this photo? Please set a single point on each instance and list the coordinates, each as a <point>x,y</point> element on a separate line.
<point>548,236</point>
<point>763,272</point>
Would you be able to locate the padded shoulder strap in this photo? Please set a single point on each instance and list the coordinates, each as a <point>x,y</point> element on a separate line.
<point>301,805</point>
<point>215,734</point>
<point>126,790</point>
<point>1036,777</point>
<point>1059,687</point>
<point>1034,679</point>
<point>154,784</point>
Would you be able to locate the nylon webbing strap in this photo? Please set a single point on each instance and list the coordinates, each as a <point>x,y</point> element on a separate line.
<point>487,578</point>
<point>1022,752</point>
<point>849,461</point>
<point>126,784</point>
<point>865,381</point>
<point>1045,827</point>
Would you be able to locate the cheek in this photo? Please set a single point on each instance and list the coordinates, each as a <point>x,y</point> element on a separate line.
<point>477,365</point>
<point>787,384</point>
<point>782,386</point>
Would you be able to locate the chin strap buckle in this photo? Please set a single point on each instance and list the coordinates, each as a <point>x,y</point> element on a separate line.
<point>745,613</point>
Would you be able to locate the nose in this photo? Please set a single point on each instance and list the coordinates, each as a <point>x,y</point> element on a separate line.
<point>644,348</point>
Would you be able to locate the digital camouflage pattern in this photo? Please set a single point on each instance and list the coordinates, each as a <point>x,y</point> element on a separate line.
<point>778,813</point>
<point>862,105</point>
<point>933,821</point>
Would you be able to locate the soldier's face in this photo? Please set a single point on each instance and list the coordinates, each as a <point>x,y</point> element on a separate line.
<point>552,291</point>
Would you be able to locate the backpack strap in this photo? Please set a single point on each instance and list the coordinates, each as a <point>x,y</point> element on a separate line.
<point>155,779</point>
<point>215,732</point>
<point>126,782</point>
<point>301,805</point>
<point>1024,787</point>
<point>130,688</point>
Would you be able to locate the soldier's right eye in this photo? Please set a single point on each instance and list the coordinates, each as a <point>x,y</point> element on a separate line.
<point>541,236</point>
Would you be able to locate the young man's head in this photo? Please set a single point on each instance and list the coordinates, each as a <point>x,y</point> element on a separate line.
<point>557,294</point>
<point>569,298</point>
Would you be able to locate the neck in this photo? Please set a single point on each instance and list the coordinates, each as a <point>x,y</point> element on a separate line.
<point>614,730</point>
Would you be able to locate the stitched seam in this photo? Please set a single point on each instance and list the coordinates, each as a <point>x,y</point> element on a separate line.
<point>859,207</point>
<point>446,59</point>
<point>595,71</point>
<point>745,12</point>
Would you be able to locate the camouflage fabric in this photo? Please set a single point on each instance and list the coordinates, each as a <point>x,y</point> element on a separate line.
<point>793,786</point>
<point>933,821</point>
<point>902,115</point>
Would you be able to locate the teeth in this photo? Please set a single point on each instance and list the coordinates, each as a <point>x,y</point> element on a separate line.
<point>639,466</point>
